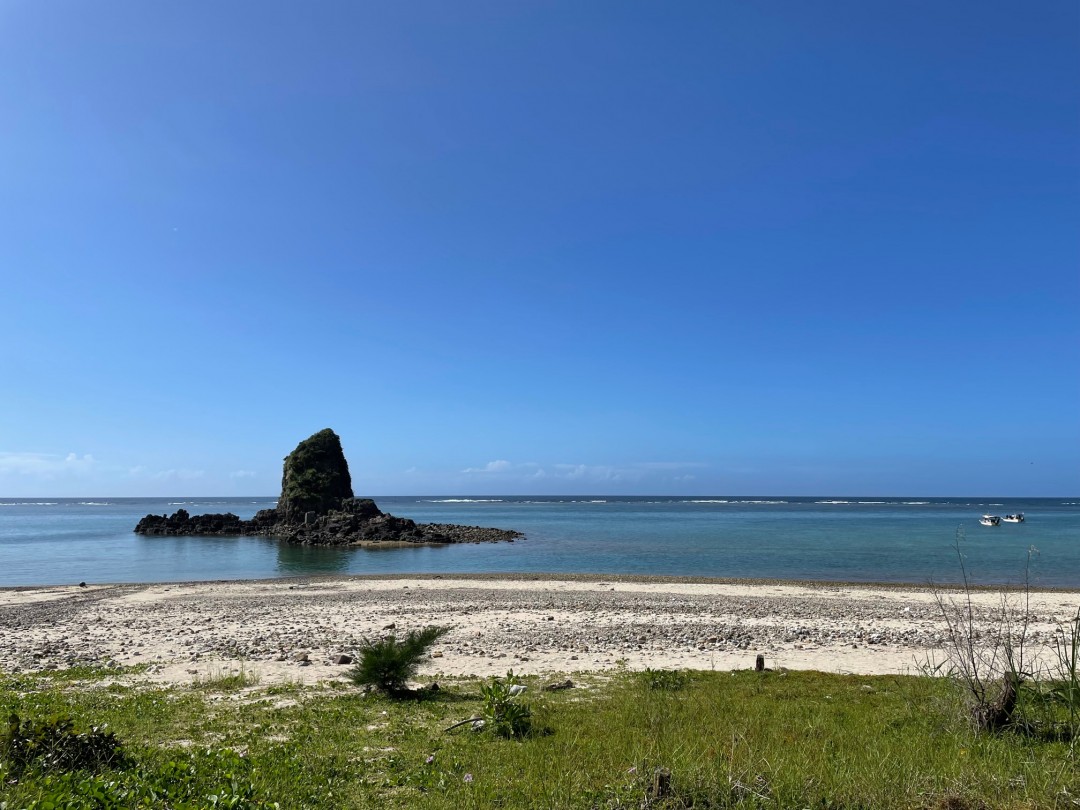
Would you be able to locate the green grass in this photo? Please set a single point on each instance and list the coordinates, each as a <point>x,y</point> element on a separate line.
<point>773,739</point>
<point>223,681</point>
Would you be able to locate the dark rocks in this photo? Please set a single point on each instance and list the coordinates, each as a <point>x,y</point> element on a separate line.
<point>317,507</point>
<point>182,523</point>
<point>468,534</point>
<point>558,686</point>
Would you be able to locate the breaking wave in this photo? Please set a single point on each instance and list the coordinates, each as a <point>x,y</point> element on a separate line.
<point>464,500</point>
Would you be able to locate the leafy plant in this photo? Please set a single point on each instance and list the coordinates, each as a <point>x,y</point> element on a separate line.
<point>388,664</point>
<point>212,779</point>
<point>503,713</point>
<point>57,745</point>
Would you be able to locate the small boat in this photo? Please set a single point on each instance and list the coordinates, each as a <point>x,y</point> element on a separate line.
<point>990,520</point>
<point>1017,518</point>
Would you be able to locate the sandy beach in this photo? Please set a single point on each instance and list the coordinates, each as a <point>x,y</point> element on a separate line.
<point>295,630</point>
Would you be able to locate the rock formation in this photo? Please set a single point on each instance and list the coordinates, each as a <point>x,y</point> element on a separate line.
<point>317,507</point>
<point>315,477</point>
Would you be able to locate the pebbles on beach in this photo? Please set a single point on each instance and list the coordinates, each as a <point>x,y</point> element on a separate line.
<point>274,628</point>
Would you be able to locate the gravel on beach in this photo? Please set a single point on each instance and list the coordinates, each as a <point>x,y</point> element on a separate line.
<point>298,629</point>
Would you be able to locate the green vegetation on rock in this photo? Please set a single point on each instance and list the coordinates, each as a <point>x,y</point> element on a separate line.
<point>315,478</point>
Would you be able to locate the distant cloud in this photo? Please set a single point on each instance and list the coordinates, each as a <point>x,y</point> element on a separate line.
<point>498,466</point>
<point>597,473</point>
<point>181,474</point>
<point>46,465</point>
<point>663,466</point>
<point>177,474</point>
<point>242,474</point>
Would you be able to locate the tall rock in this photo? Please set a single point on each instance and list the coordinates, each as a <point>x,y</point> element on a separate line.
<point>315,478</point>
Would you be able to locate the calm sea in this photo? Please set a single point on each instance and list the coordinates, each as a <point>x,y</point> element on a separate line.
<point>54,541</point>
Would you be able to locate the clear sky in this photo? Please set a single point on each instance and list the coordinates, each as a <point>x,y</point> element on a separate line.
<point>541,247</point>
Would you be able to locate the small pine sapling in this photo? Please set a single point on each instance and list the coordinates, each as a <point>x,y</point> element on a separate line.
<point>388,664</point>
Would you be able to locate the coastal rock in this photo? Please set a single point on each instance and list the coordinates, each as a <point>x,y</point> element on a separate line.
<point>317,507</point>
<point>180,522</point>
<point>315,478</point>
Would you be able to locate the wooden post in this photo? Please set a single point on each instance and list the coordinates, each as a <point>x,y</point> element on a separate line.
<point>661,783</point>
<point>759,664</point>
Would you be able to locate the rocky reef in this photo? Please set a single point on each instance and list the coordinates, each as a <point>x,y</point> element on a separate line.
<point>317,507</point>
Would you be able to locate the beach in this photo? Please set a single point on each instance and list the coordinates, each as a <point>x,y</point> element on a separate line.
<point>296,630</point>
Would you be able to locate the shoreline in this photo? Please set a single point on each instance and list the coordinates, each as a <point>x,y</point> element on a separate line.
<point>527,576</point>
<point>535,624</point>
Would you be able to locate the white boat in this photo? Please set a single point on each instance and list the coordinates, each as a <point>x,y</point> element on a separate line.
<point>990,520</point>
<point>1017,518</point>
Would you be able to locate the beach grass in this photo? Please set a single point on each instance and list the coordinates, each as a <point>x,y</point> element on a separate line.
<point>740,739</point>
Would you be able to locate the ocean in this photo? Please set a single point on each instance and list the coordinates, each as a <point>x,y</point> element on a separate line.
<point>51,541</point>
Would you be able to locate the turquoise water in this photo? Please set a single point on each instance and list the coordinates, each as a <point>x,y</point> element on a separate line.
<point>54,541</point>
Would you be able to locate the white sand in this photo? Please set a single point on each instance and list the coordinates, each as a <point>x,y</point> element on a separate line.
<point>552,625</point>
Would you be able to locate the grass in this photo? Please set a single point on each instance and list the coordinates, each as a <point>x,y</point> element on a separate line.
<point>222,681</point>
<point>744,739</point>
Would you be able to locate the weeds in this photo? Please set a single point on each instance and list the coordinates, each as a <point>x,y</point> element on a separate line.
<point>1064,689</point>
<point>226,682</point>
<point>991,668</point>
<point>671,680</point>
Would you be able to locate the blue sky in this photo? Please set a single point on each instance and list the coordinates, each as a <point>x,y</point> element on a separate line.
<point>539,248</point>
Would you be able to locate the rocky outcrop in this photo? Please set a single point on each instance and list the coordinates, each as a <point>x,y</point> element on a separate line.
<point>317,507</point>
<point>315,478</point>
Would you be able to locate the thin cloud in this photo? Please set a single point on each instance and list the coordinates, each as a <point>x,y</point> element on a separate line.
<point>180,474</point>
<point>498,466</point>
<point>596,473</point>
<point>662,466</point>
<point>46,465</point>
<point>242,474</point>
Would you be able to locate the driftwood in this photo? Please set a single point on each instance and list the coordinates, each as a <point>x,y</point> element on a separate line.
<point>463,722</point>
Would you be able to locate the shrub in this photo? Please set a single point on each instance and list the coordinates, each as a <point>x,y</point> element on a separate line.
<point>388,664</point>
<point>990,667</point>
<point>56,745</point>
